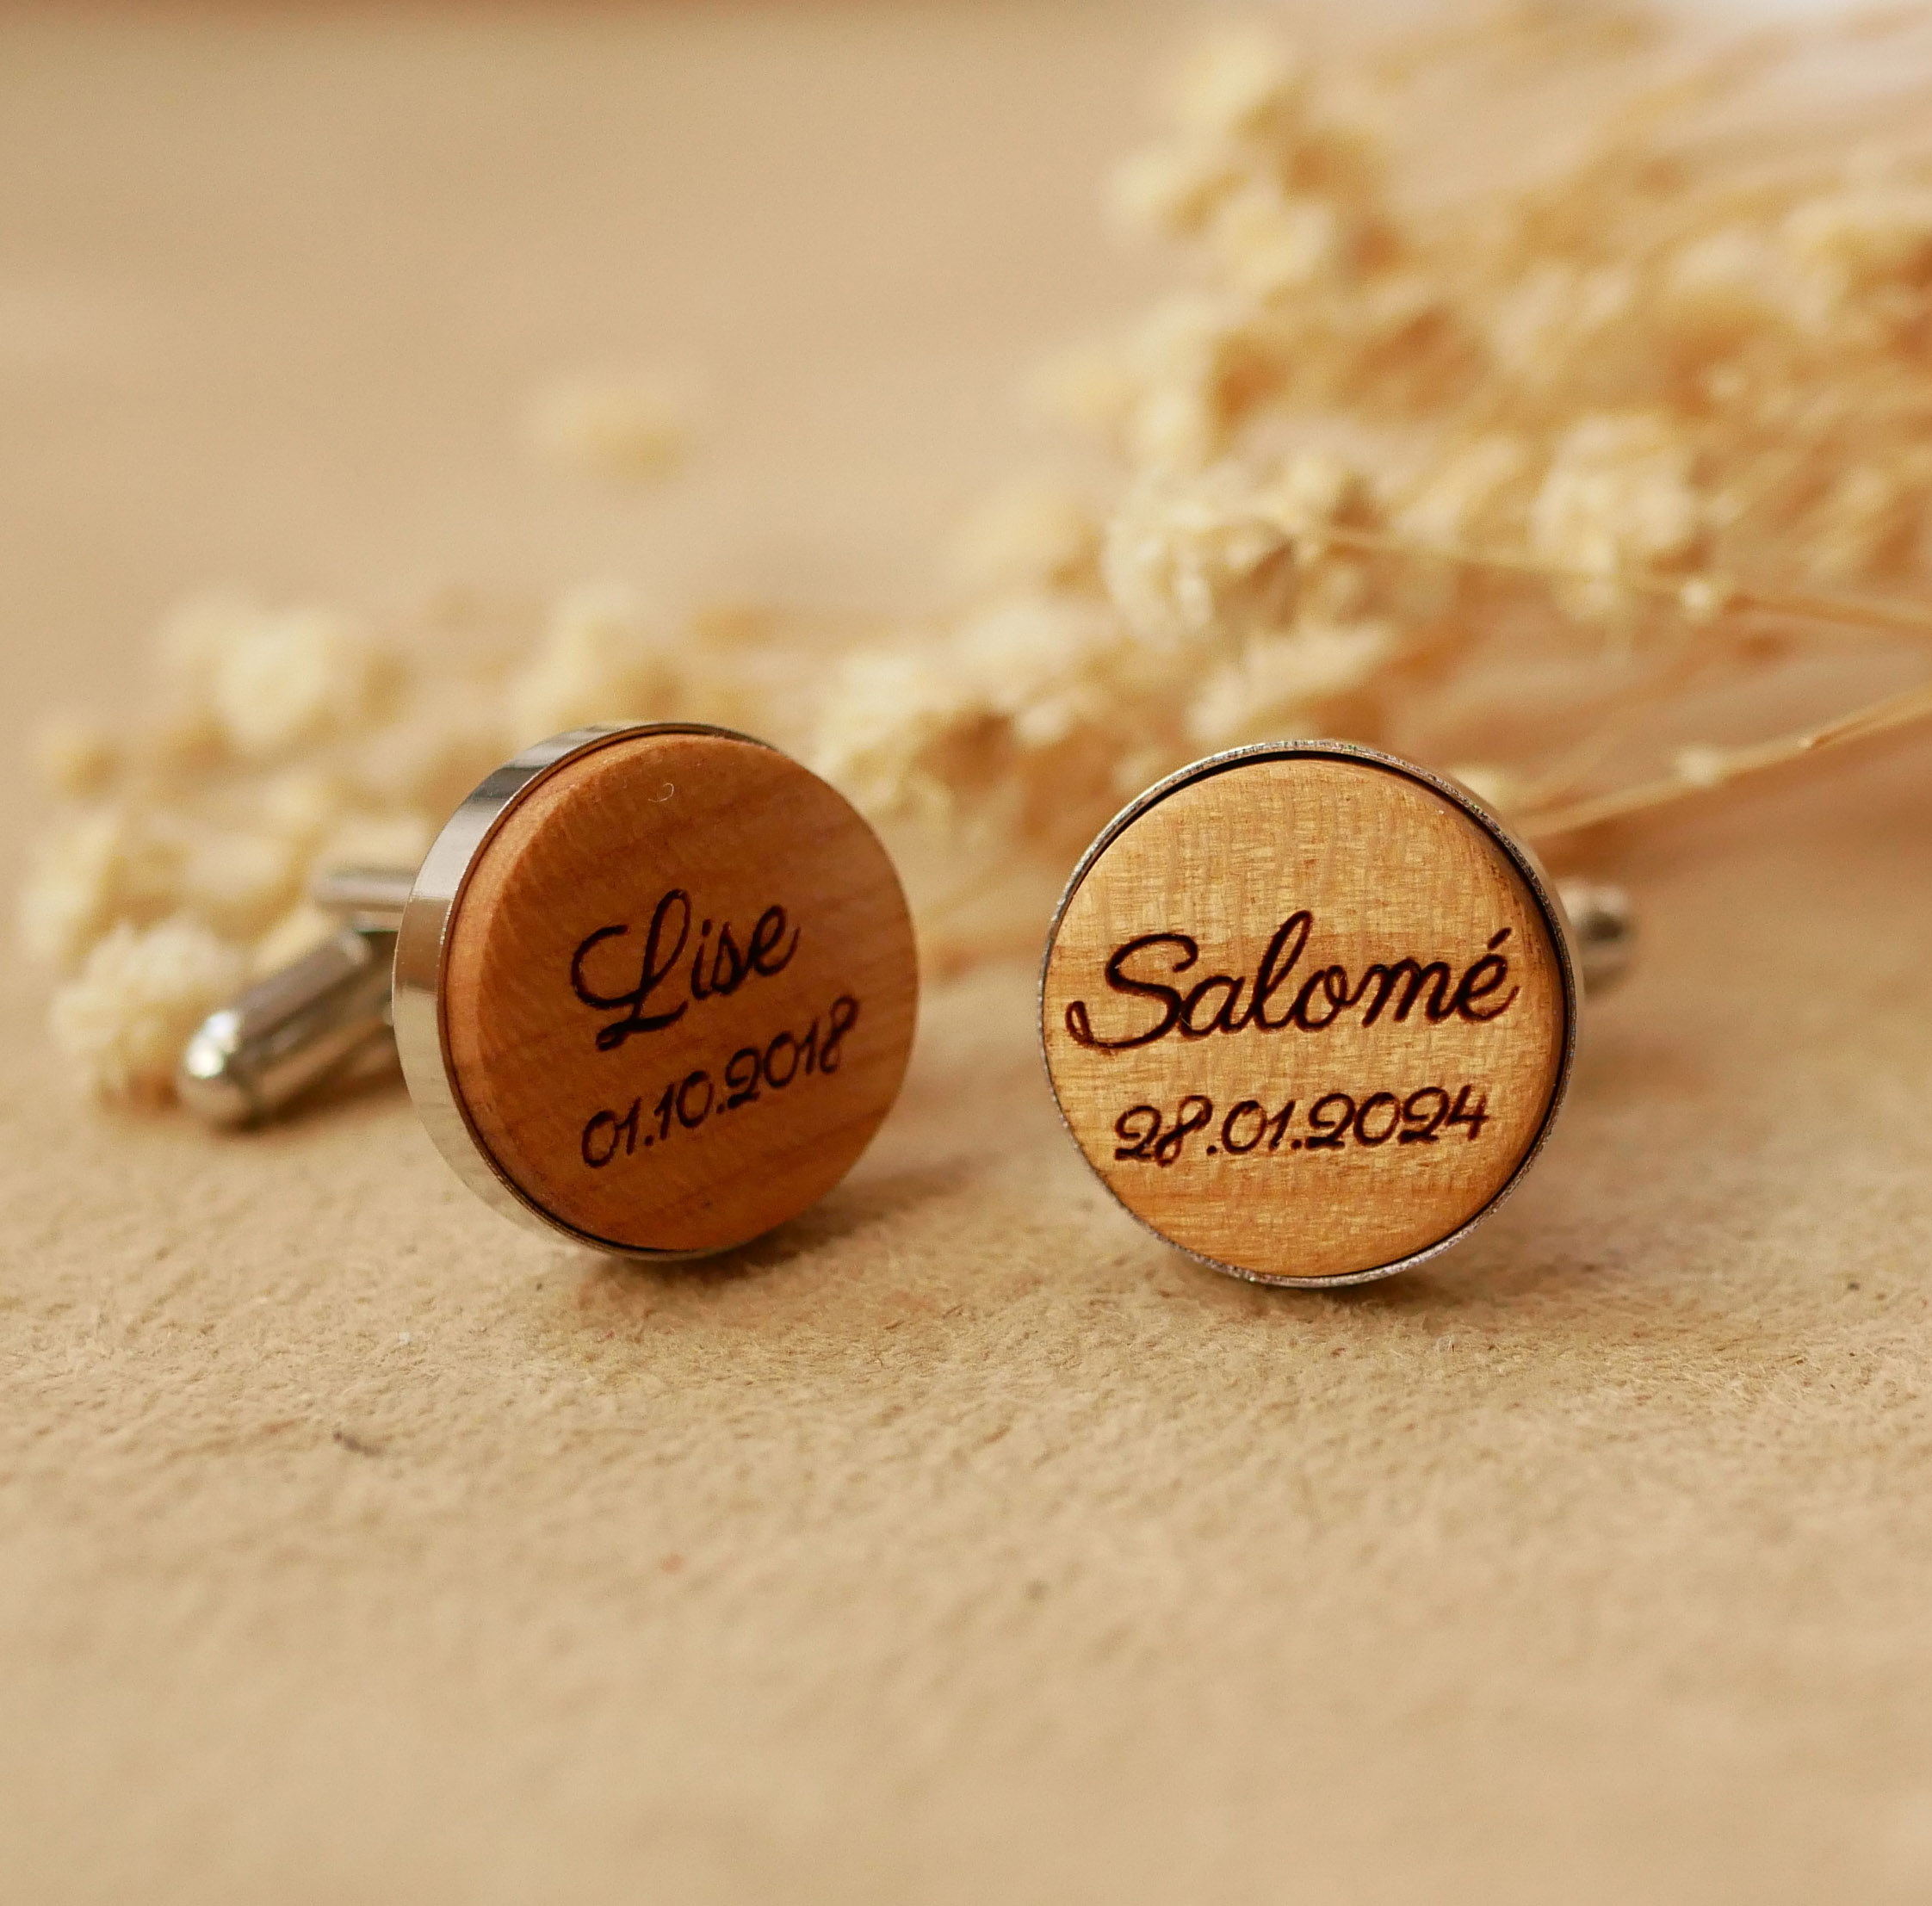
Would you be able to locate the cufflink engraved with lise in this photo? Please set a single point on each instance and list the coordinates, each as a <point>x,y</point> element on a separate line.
<point>653,987</point>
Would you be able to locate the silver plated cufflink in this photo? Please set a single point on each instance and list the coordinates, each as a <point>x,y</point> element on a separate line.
<point>1309,1009</point>
<point>653,987</point>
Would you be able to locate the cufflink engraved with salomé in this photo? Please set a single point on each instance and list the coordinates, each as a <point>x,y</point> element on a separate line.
<point>653,987</point>
<point>1310,1011</point>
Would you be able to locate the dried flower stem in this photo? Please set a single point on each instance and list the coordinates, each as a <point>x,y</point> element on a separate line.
<point>1716,768</point>
<point>1825,612</point>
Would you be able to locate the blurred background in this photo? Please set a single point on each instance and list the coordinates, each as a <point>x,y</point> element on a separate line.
<point>279,286</point>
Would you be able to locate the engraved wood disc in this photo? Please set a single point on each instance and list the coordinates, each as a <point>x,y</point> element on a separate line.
<point>1307,1010</point>
<point>677,993</point>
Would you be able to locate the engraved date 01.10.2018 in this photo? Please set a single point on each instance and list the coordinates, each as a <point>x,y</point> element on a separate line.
<point>752,1071</point>
<point>1426,1117</point>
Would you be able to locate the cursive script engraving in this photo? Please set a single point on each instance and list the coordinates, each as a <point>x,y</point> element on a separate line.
<point>718,968</point>
<point>1224,1002</point>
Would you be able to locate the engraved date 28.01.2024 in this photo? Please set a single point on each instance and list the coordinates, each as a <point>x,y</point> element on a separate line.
<point>1425,1117</point>
<point>686,1103</point>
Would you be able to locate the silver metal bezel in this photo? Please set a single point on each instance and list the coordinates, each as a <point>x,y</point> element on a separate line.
<point>422,946</point>
<point>1521,855</point>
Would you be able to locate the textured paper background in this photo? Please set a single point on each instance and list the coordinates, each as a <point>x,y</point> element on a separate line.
<point>958,1543</point>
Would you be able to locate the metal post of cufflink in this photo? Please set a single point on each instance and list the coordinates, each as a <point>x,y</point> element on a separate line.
<point>1603,925</point>
<point>654,987</point>
<point>327,1016</point>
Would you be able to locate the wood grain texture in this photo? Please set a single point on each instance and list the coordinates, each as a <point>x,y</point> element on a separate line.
<point>1317,933</point>
<point>679,988</point>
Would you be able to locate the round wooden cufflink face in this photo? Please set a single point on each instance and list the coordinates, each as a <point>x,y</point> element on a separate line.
<point>1309,1011</point>
<point>655,988</point>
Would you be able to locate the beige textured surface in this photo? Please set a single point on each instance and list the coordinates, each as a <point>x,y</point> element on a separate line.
<point>959,1544</point>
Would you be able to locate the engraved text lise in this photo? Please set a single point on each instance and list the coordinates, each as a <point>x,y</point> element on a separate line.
<point>718,966</point>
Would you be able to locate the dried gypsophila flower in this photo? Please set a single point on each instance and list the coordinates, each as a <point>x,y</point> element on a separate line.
<point>628,428</point>
<point>283,740</point>
<point>1569,442</point>
<point>122,1022</point>
<point>1580,404</point>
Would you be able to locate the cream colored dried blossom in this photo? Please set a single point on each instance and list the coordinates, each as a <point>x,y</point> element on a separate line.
<point>235,880</point>
<point>1196,559</point>
<point>895,721</point>
<point>1171,191</point>
<point>1035,533</point>
<point>1615,384</point>
<point>597,662</point>
<point>1271,244</point>
<point>432,757</point>
<point>1194,369</point>
<point>1047,667</point>
<point>302,803</point>
<point>1091,387</point>
<point>1286,196</point>
<point>96,867</point>
<point>1864,253</point>
<point>110,867</point>
<point>1869,519</point>
<point>1301,684</point>
<point>627,429</point>
<point>1313,493</point>
<point>289,677</point>
<point>1724,287</point>
<point>1245,90</point>
<point>1065,694</point>
<point>263,681</point>
<point>68,899</point>
<point>1241,82</point>
<point>1467,499</point>
<point>197,633</point>
<point>278,743</point>
<point>75,756</point>
<point>1013,727</point>
<point>1618,496</point>
<point>121,1024</point>
<point>1220,554</point>
<point>1558,308</point>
